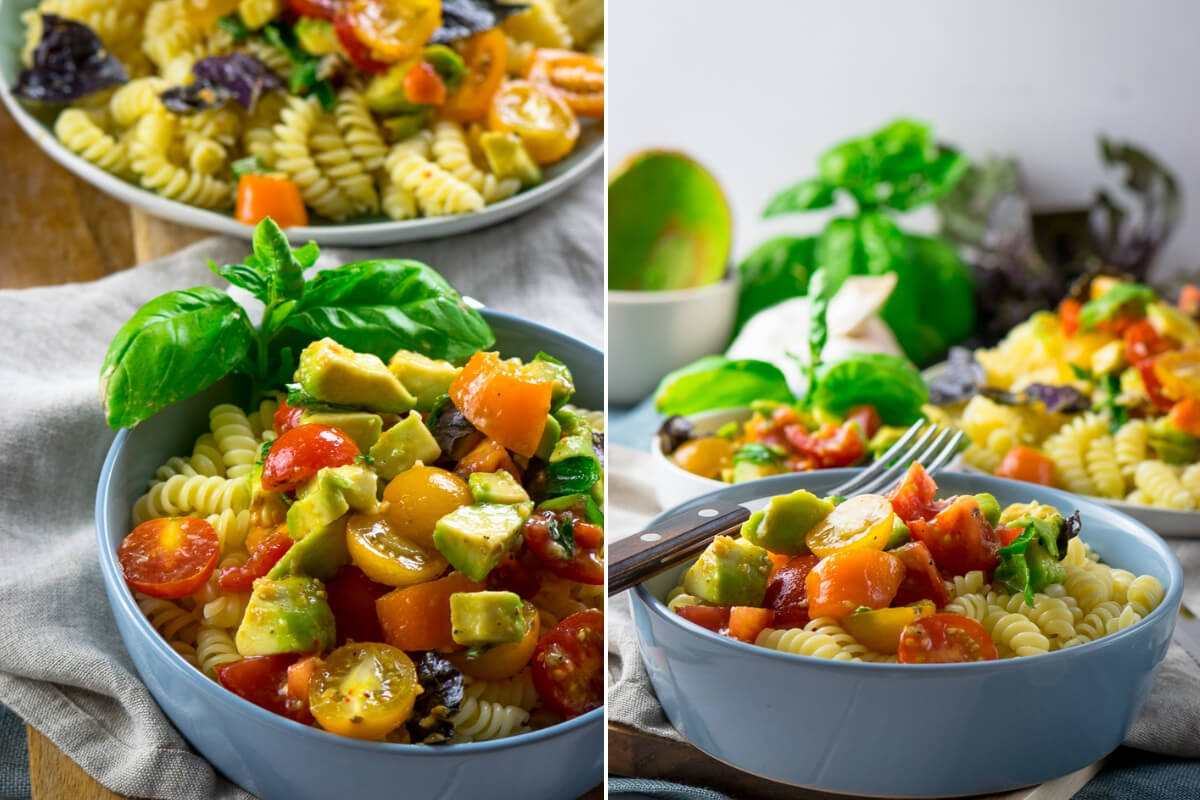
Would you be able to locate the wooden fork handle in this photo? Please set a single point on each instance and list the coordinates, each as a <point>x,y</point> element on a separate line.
<point>663,545</point>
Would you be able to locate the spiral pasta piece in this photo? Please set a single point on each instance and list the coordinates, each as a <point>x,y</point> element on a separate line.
<point>1086,587</point>
<point>974,606</point>
<point>397,201</point>
<point>1018,633</point>
<point>677,598</point>
<point>294,157</point>
<point>539,24</point>
<point>583,18</point>
<point>1157,480</point>
<point>517,690</point>
<point>1144,594</point>
<point>358,129</point>
<point>169,32</point>
<point>971,583</point>
<point>802,643</point>
<point>1127,618</point>
<point>236,439</point>
<point>169,619</point>
<point>452,154</point>
<point>1103,468</point>
<point>214,648</point>
<point>82,135</point>
<point>258,137</point>
<point>481,720</point>
<point>1095,623</point>
<point>183,495</point>
<point>1051,614</point>
<point>1131,445</point>
<point>340,165</point>
<point>828,626</point>
<point>1067,450</point>
<point>437,192</point>
<point>148,149</point>
<point>135,100</point>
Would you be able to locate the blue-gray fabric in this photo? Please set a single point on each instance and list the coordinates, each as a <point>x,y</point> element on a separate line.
<point>14,757</point>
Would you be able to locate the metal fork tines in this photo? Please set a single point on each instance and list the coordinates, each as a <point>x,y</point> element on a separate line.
<point>934,447</point>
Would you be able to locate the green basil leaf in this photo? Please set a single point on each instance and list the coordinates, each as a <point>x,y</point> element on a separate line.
<point>385,305</point>
<point>243,276</point>
<point>806,195</point>
<point>234,26</point>
<point>174,346</point>
<point>754,453</point>
<point>820,291</point>
<point>775,271</point>
<point>945,297</point>
<point>573,475</point>
<point>563,532</point>
<point>273,256</point>
<point>1133,296</point>
<point>717,382</point>
<point>307,254</point>
<point>889,383</point>
<point>250,165</point>
<point>934,180</point>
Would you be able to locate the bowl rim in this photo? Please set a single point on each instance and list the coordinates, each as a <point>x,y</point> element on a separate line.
<point>120,595</point>
<point>640,297</point>
<point>1147,538</point>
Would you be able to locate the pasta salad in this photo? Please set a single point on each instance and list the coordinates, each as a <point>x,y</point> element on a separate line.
<point>1099,398</point>
<point>911,579</point>
<point>337,108</point>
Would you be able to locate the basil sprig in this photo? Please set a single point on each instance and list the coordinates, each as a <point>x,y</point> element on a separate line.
<point>184,341</point>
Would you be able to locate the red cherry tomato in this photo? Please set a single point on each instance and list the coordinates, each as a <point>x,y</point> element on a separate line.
<point>714,618</point>
<point>1142,341</point>
<point>300,453</point>
<point>830,446</point>
<point>787,592</point>
<point>355,49</point>
<point>265,556</point>
<point>422,85</point>
<point>867,418</point>
<point>511,575</point>
<point>945,639</point>
<point>585,565</point>
<point>960,538</point>
<point>1026,464</point>
<point>568,664</point>
<point>352,597</point>
<point>1154,388</point>
<point>319,9</point>
<point>1008,535</point>
<point>913,498</point>
<point>286,418</point>
<point>263,680</point>
<point>922,581</point>
<point>169,557</point>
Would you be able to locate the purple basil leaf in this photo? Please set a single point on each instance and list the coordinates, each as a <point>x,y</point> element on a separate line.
<point>1002,396</point>
<point>464,17</point>
<point>1064,399</point>
<point>241,74</point>
<point>199,95</point>
<point>959,381</point>
<point>70,62</point>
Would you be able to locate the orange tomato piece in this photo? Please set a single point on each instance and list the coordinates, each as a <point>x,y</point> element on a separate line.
<point>274,196</point>
<point>485,56</point>
<point>706,456</point>
<point>501,399</point>
<point>1026,464</point>
<point>578,77</point>
<point>546,124</point>
<point>1179,373</point>
<point>747,622</point>
<point>1068,316</point>
<point>487,456</point>
<point>422,85</point>
<point>298,676</point>
<point>851,579</point>
<point>169,557</point>
<point>1185,415</point>
<point>418,617</point>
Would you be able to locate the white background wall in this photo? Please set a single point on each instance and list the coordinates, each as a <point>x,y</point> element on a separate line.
<point>756,89</point>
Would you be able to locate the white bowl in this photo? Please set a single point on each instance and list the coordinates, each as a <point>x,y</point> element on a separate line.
<point>673,484</point>
<point>652,333</point>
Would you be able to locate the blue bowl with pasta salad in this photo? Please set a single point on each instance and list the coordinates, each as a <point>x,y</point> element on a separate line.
<point>276,757</point>
<point>845,720</point>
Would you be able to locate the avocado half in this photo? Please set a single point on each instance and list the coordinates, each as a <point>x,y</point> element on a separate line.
<point>669,224</point>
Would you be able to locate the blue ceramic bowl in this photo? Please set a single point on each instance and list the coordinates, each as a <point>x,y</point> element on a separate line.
<point>273,757</point>
<point>911,730</point>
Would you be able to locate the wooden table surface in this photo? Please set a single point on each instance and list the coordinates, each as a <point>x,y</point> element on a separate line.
<point>57,228</point>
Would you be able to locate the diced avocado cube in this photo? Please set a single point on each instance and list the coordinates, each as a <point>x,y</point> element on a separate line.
<point>385,93</point>
<point>550,436</point>
<point>290,615</point>
<point>731,572</point>
<point>783,524</point>
<point>316,36</point>
<point>901,535</point>
<point>339,376</point>
<point>358,484</point>
<point>474,538</point>
<point>319,504</point>
<point>403,445</point>
<point>479,618</point>
<point>576,438</point>
<point>989,506</point>
<point>885,437</point>
<point>360,426</point>
<point>507,157</point>
<point>744,471</point>
<point>426,378</point>
<point>496,487</point>
<point>320,554</point>
<point>548,368</point>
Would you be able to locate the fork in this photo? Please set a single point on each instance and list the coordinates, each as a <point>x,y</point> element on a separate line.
<point>681,536</point>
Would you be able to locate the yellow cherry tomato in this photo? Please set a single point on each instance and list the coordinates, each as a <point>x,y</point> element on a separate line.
<point>546,124</point>
<point>880,629</point>
<point>502,660</point>
<point>394,30</point>
<point>864,521</point>
<point>417,498</point>
<point>705,457</point>
<point>386,556</point>
<point>1179,373</point>
<point>364,690</point>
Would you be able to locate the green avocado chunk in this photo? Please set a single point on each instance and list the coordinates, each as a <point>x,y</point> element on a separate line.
<point>290,615</point>
<point>479,618</point>
<point>990,507</point>
<point>783,524</point>
<point>550,436</point>
<point>474,538</point>
<point>744,471</point>
<point>403,445</point>
<point>901,535</point>
<point>555,372</point>
<point>731,572</point>
<point>361,427</point>
<point>339,376</point>
<point>328,495</point>
<point>576,438</point>
<point>320,554</point>
<point>497,487</point>
<point>507,158</point>
<point>426,378</point>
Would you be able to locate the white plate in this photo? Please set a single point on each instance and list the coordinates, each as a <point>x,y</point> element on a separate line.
<point>374,231</point>
<point>1163,521</point>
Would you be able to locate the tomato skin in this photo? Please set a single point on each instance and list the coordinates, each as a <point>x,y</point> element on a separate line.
<point>318,9</point>
<point>423,86</point>
<point>568,664</point>
<point>502,400</point>
<point>265,556</point>
<point>787,592</point>
<point>585,565</point>
<point>913,498</point>
<point>352,595</point>
<point>487,456</point>
<point>1026,464</point>
<point>546,124</point>
<point>286,418</point>
<point>1008,535</point>
<point>1154,387</point>
<point>1068,316</point>
<point>485,55</point>
<point>263,680</point>
<point>169,557</point>
<point>274,196</point>
<point>747,622</point>
<point>363,690</point>
<point>354,48</point>
<point>959,538</point>
<point>922,581</point>
<point>418,617</point>
<point>1142,341</point>
<point>298,676</point>
<point>392,30</point>
<point>1185,416</point>
<point>577,77</point>
<point>714,618</point>
<point>850,579</point>
<point>945,639</point>
<point>830,446</point>
<point>511,575</point>
<point>302,452</point>
<point>867,418</point>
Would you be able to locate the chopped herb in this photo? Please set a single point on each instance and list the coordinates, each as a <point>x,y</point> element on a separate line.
<point>563,531</point>
<point>234,26</point>
<point>755,453</point>
<point>250,165</point>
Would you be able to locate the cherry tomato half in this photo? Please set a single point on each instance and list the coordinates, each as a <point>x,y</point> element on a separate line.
<point>787,592</point>
<point>584,565</point>
<point>913,498</point>
<point>423,85</point>
<point>959,537</point>
<point>578,77</point>
<point>355,48</point>
<point>169,557</point>
<point>286,418</point>
<point>486,56</point>
<point>714,618</point>
<point>388,556</point>
<point>922,581</point>
<point>352,597</point>
<point>320,9</point>
<point>850,579</point>
<point>263,680</point>
<point>568,664</point>
<point>302,452</point>
<point>393,30</point>
<point>265,556</point>
<point>363,690</point>
<point>945,639</point>
<point>546,124</point>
